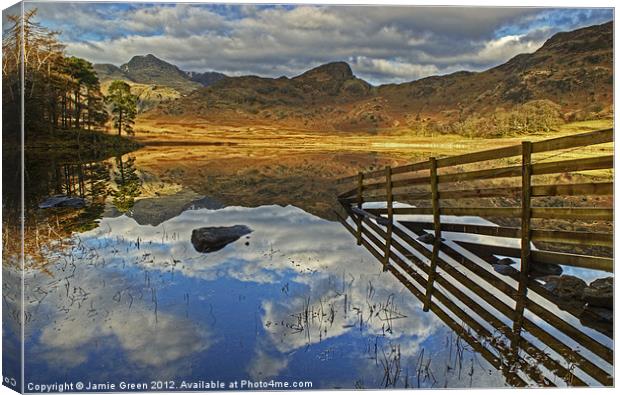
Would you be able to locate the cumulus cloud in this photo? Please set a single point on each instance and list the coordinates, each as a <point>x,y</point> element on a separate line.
<point>387,44</point>
<point>505,47</point>
<point>106,311</point>
<point>396,70</point>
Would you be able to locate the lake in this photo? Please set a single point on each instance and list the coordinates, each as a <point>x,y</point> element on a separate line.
<point>116,293</point>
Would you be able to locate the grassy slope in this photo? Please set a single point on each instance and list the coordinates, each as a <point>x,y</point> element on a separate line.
<point>149,96</point>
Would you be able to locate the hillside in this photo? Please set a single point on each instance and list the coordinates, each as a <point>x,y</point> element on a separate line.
<point>109,72</point>
<point>292,101</point>
<point>149,96</point>
<point>207,78</point>
<point>150,70</point>
<point>573,70</point>
<point>572,73</point>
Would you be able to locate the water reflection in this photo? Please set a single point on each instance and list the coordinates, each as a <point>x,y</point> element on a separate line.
<point>97,182</point>
<point>119,292</point>
<point>128,184</point>
<point>297,300</point>
<point>81,175</point>
<point>553,345</point>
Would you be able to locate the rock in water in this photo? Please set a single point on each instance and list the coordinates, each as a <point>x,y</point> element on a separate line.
<point>214,238</point>
<point>62,201</point>
<point>505,270</point>
<point>565,287</point>
<point>599,318</point>
<point>539,269</point>
<point>600,293</point>
<point>505,261</point>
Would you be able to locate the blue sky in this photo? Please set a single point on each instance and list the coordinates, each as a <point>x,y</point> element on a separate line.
<point>383,44</point>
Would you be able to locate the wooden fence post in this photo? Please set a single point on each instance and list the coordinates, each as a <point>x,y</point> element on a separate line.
<point>390,214</point>
<point>526,213</point>
<point>360,201</point>
<point>437,239</point>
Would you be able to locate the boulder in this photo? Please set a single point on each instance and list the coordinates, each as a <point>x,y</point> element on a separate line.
<point>62,201</point>
<point>600,293</point>
<point>214,238</point>
<point>565,287</point>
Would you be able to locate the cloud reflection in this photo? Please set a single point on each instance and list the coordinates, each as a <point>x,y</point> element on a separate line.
<point>319,298</point>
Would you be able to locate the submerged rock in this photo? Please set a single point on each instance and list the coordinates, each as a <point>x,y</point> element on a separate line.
<point>62,201</point>
<point>427,238</point>
<point>214,238</point>
<point>155,210</point>
<point>539,269</point>
<point>505,262</point>
<point>565,286</point>
<point>600,293</point>
<point>598,318</point>
<point>504,269</point>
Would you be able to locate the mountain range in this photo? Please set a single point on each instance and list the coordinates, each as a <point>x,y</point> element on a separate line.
<point>574,70</point>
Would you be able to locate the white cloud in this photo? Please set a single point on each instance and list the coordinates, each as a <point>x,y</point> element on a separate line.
<point>399,70</point>
<point>392,43</point>
<point>507,47</point>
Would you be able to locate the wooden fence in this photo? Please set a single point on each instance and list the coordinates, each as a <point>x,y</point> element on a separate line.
<point>510,318</point>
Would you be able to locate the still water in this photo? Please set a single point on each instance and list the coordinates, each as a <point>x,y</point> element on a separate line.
<point>119,294</point>
<point>297,301</point>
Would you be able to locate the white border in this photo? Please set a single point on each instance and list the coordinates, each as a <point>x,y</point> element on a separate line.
<point>523,3</point>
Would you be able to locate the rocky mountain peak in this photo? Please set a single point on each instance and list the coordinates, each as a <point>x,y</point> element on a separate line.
<point>331,71</point>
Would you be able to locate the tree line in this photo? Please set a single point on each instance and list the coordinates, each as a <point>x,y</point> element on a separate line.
<point>60,92</point>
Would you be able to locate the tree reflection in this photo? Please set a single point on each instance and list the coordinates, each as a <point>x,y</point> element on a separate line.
<point>128,184</point>
<point>92,182</point>
<point>48,175</point>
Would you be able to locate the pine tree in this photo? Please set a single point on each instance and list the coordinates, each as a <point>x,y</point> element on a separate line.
<point>123,104</point>
<point>56,88</point>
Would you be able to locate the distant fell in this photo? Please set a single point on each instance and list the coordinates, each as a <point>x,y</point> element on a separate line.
<point>154,80</point>
<point>149,69</point>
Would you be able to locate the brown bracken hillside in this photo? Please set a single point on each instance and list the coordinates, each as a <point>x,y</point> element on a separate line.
<point>571,75</point>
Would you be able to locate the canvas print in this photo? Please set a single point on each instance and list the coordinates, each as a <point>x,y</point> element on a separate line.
<point>305,197</point>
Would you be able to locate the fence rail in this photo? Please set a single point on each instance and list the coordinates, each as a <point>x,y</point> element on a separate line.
<point>567,142</point>
<point>467,293</point>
